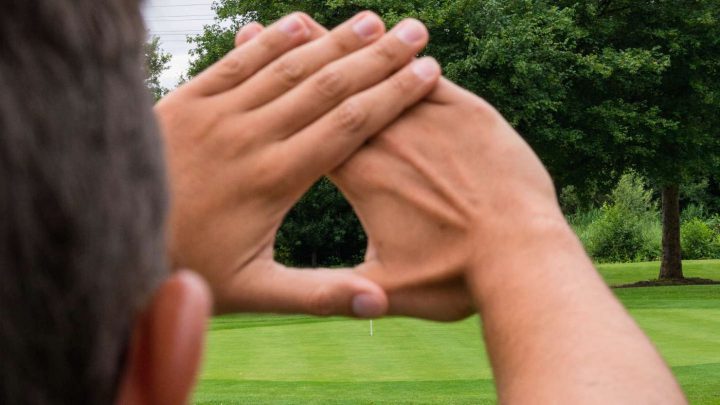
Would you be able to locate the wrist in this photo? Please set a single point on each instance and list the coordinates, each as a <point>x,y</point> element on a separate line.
<point>538,228</point>
<point>542,246</point>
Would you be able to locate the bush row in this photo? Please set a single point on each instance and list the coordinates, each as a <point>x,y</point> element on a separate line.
<point>628,227</point>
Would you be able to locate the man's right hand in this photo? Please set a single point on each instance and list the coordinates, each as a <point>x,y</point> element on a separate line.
<point>440,193</point>
<point>460,213</point>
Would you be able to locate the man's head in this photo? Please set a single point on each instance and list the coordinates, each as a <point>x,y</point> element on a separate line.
<point>82,212</point>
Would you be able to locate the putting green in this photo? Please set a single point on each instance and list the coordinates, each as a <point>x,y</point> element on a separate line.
<point>260,359</point>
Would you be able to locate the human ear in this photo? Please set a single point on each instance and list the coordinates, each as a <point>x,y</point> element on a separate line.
<point>167,341</point>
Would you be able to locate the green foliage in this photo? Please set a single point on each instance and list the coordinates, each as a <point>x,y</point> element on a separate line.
<point>581,221</point>
<point>649,95</point>
<point>620,236</point>
<point>321,230</point>
<point>613,238</point>
<point>597,87</point>
<point>631,195</point>
<point>157,61</point>
<point>570,201</point>
<point>714,223</point>
<point>692,211</point>
<point>625,229</point>
<point>703,194</point>
<point>212,44</point>
<point>699,241</point>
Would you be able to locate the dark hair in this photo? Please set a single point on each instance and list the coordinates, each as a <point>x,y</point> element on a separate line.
<point>82,197</point>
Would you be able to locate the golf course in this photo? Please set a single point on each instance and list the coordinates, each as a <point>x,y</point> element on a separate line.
<point>267,359</point>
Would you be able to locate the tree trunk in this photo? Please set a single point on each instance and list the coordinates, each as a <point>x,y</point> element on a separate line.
<point>671,267</point>
<point>313,258</point>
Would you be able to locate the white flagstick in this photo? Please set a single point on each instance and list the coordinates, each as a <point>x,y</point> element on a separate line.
<point>371,328</point>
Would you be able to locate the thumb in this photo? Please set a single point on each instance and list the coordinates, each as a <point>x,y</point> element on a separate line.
<point>322,292</point>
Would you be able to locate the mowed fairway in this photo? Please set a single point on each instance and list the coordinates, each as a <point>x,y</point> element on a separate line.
<point>304,360</point>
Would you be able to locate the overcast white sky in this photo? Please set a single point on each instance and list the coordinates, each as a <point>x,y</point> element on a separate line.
<point>172,21</point>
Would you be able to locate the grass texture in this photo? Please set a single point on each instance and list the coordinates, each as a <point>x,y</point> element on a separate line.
<point>267,359</point>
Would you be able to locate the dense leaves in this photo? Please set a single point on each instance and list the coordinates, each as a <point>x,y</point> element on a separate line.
<point>321,230</point>
<point>597,87</point>
<point>157,61</point>
<point>627,226</point>
<point>699,240</point>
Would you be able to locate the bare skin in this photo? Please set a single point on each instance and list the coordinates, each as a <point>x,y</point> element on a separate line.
<point>244,143</point>
<point>461,217</point>
<point>457,207</point>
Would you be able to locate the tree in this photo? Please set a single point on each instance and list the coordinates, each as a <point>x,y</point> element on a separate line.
<point>321,230</point>
<point>157,61</point>
<point>597,87</point>
<point>655,98</point>
<point>462,31</point>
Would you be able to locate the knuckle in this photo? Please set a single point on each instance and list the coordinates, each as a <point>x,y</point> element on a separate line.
<point>233,64</point>
<point>341,44</point>
<point>269,177</point>
<point>351,116</point>
<point>401,84</point>
<point>331,83</point>
<point>272,174</point>
<point>321,301</point>
<point>267,43</point>
<point>385,51</point>
<point>273,184</point>
<point>291,72</point>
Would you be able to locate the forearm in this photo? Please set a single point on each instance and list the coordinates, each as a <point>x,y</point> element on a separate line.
<point>556,334</point>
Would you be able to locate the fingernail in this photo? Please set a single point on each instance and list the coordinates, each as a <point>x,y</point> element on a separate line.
<point>410,31</point>
<point>426,68</point>
<point>365,306</point>
<point>291,25</point>
<point>367,27</point>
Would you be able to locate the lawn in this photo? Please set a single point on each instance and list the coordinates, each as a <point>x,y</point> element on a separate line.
<point>253,359</point>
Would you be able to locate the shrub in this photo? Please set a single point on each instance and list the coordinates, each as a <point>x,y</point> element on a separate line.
<point>581,221</point>
<point>698,240</point>
<point>631,195</point>
<point>627,228</point>
<point>651,248</point>
<point>611,237</point>
<point>619,235</point>
<point>570,200</point>
<point>693,211</point>
<point>714,223</point>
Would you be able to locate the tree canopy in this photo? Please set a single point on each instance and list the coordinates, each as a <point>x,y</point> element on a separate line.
<point>321,230</point>
<point>597,87</point>
<point>156,62</point>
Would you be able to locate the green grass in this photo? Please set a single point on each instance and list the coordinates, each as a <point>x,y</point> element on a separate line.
<point>617,274</point>
<point>253,359</point>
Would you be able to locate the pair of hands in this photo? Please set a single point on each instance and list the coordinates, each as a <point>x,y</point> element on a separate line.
<point>437,177</point>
